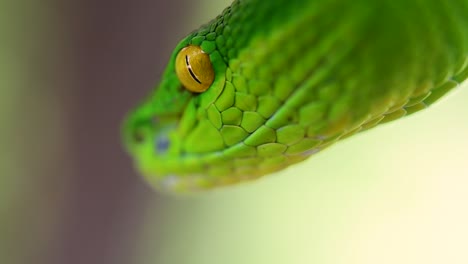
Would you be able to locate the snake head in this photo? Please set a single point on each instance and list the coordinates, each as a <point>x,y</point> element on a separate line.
<point>170,136</point>
<point>203,126</point>
<point>246,108</point>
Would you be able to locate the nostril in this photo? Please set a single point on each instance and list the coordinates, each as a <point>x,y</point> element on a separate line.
<point>135,130</point>
<point>135,135</point>
<point>138,136</point>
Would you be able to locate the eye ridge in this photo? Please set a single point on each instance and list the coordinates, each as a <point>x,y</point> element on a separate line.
<point>189,67</point>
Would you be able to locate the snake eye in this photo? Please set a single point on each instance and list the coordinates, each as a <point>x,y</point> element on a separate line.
<point>194,69</point>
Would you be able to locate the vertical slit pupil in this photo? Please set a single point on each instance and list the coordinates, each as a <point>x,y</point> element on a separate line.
<point>190,70</point>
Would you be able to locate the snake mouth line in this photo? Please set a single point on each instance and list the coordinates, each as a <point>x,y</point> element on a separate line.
<point>195,182</point>
<point>173,182</point>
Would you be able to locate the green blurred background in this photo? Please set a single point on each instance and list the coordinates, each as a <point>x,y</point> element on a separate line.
<point>71,69</point>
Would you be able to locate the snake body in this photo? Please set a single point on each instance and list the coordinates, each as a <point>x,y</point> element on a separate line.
<point>292,77</point>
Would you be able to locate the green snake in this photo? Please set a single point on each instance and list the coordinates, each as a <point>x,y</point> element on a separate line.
<point>267,84</point>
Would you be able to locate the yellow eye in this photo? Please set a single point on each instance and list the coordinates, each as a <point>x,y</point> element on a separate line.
<point>194,69</point>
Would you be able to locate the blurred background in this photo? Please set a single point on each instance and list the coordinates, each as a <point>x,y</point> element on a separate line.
<point>68,193</point>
